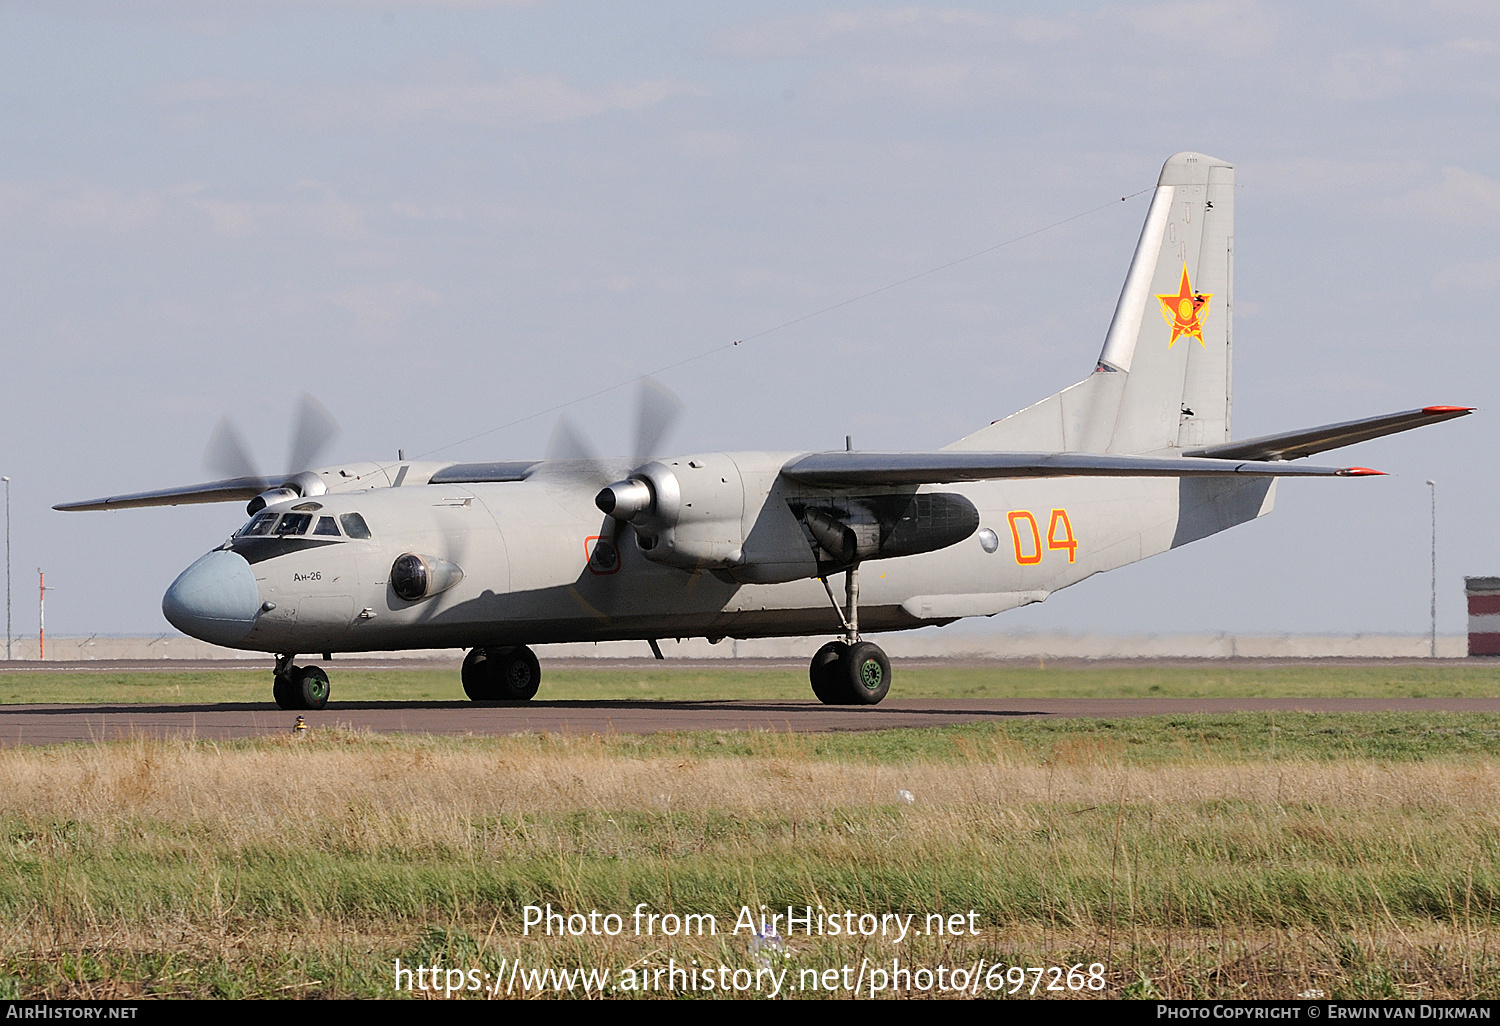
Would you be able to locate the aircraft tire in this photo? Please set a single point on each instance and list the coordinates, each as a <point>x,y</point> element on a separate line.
<point>865,673</point>
<point>309,687</point>
<point>281,690</point>
<point>518,675</point>
<point>478,674</point>
<point>823,672</point>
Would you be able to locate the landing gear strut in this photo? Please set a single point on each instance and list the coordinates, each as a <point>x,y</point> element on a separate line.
<point>851,671</point>
<point>299,687</point>
<point>501,674</point>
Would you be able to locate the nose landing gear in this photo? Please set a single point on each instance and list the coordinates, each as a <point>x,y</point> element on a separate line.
<point>501,674</point>
<point>849,672</point>
<point>299,687</point>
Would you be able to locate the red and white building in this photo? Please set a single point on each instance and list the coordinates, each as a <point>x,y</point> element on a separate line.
<point>1483,594</point>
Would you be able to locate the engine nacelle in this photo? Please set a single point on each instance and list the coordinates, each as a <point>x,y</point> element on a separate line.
<point>299,486</point>
<point>686,512</point>
<point>735,516</point>
<point>852,528</point>
<point>270,497</point>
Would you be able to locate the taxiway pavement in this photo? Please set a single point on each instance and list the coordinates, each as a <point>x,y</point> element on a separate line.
<point>54,724</point>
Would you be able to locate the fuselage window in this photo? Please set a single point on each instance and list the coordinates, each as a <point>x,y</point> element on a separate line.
<point>354,525</point>
<point>327,525</point>
<point>262,524</point>
<point>293,523</point>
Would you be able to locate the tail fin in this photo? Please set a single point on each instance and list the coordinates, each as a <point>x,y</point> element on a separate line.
<point>1163,378</point>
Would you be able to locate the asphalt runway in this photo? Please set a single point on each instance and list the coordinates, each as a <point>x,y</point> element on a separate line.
<point>53,724</point>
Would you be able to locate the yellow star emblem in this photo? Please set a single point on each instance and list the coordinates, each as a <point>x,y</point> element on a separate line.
<point>1185,311</point>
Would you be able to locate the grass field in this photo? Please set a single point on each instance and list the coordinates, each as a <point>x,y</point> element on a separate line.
<point>1250,855</point>
<point>650,682</point>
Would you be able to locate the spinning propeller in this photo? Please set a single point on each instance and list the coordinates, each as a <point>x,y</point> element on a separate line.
<point>312,432</point>
<point>227,454</point>
<point>657,411</point>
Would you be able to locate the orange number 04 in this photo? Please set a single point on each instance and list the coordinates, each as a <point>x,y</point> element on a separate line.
<point>1029,550</point>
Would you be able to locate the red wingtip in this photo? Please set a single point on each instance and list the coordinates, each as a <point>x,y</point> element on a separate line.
<point>1363,472</point>
<point>1448,409</point>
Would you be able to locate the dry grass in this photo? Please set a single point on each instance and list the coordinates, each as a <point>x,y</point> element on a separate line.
<point>186,867</point>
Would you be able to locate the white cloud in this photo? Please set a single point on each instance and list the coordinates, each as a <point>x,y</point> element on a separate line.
<point>377,304</point>
<point>79,206</point>
<point>1368,74</point>
<point>711,145</point>
<point>96,207</point>
<point>946,83</point>
<point>519,97</point>
<point>801,34</point>
<point>1310,176</point>
<point>1461,197</point>
<point>233,218</point>
<point>1473,45</point>
<point>1221,26</point>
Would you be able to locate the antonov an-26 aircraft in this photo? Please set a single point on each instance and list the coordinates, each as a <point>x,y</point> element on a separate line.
<point>1133,460</point>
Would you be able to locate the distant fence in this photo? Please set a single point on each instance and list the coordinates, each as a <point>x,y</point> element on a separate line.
<point>913,645</point>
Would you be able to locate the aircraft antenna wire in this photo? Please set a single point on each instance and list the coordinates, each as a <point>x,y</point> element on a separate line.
<point>783,325</point>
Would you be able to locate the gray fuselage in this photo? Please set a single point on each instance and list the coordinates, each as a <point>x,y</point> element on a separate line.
<point>526,577</point>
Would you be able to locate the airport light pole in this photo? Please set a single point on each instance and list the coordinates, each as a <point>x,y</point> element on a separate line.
<point>1432,487</point>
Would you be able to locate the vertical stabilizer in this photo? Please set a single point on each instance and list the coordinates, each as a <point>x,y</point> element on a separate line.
<point>1163,377</point>
<point>1171,334</point>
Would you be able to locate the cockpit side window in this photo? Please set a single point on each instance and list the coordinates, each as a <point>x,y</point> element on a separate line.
<point>327,525</point>
<point>293,523</point>
<point>260,524</point>
<point>354,525</point>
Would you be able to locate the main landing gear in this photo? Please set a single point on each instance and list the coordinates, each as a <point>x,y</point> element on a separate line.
<point>501,674</point>
<point>850,671</point>
<point>299,687</point>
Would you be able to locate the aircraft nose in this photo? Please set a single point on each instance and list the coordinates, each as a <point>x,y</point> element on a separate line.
<point>214,600</point>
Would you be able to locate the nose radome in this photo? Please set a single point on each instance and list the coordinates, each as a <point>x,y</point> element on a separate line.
<point>214,600</point>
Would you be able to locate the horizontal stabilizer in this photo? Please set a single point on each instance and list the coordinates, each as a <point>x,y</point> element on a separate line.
<point>1294,445</point>
<point>236,488</point>
<point>844,469</point>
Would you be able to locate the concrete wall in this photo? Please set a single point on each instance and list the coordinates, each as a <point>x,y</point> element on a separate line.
<point>919,644</point>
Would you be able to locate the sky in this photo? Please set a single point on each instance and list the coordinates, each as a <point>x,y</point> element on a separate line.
<point>449,219</point>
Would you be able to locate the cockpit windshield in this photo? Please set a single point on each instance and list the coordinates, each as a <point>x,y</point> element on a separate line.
<point>354,525</point>
<point>284,525</point>
<point>260,524</point>
<point>293,523</point>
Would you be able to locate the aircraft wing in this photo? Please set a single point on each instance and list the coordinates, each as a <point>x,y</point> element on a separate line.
<point>1293,445</point>
<point>244,488</point>
<point>841,469</point>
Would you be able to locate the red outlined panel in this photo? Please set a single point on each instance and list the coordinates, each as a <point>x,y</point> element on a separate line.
<point>1016,516</point>
<point>608,561</point>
